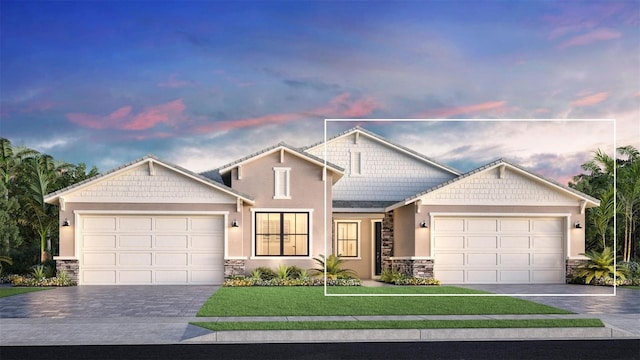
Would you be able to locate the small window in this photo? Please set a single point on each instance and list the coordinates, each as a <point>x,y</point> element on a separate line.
<point>282,234</point>
<point>347,239</point>
<point>281,183</point>
<point>356,163</point>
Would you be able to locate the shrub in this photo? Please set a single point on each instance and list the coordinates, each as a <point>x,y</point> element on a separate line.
<point>333,265</point>
<point>242,282</point>
<point>39,272</point>
<point>29,280</point>
<point>266,273</point>
<point>282,272</point>
<point>397,278</point>
<point>600,268</point>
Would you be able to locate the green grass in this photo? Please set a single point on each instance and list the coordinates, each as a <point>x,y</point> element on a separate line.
<point>399,324</point>
<point>310,301</point>
<point>634,287</point>
<point>10,291</point>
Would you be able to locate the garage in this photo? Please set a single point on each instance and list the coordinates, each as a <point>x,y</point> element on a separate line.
<point>506,250</point>
<point>150,249</point>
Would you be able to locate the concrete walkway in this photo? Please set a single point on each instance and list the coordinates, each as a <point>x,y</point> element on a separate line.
<point>161,315</point>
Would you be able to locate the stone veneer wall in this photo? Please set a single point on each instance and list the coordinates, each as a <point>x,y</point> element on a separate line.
<point>233,268</point>
<point>571,266</point>
<point>420,268</point>
<point>71,267</point>
<point>387,240</point>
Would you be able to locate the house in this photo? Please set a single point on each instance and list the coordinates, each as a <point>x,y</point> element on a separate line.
<point>378,204</point>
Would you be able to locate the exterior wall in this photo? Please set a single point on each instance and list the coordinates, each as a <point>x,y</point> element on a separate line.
<point>70,266</point>
<point>420,268</point>
<point>364,264</point>
<point>387,174</point>
<point>307,190</point>
<point>387,239</point>
<point>404,231</point>
<point>67,233</point>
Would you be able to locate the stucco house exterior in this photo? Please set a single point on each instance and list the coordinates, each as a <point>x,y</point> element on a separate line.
<point>376,203</point>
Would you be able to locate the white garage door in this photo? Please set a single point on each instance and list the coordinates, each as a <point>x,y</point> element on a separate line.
<point>151,249</point>
<point>505,250</point>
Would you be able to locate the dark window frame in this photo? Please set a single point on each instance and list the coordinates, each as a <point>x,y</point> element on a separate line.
<point>281,233</point>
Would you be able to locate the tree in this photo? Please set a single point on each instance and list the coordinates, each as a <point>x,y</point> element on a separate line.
<point>629,200</point>
<point>602,216</point>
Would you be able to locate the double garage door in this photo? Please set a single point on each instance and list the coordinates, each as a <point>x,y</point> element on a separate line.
<point>151,249</point>
<point>507,250</point>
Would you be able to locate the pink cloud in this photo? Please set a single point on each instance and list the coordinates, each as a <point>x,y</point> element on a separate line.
<point>541,111</point>
<point>340,106</point>
<point>462,110</point>
<point>602,34</point>
<point>168,113</point>
<point>173,82</point>
<point>590,99</point>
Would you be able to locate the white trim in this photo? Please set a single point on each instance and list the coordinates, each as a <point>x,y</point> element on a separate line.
<point>62,202</point>
<point>289,210</point>
<point>489,214</point>
<point>579,257</point>
<point>303,156</point>
<point>358,210</point>
<point>359,239</point>
<point>65,258</point>
<point>277,172</point>
<point>235,258</point>
<point>353,157</point>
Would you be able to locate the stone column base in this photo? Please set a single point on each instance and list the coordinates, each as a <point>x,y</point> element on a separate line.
<point>70,266</point>
<point>233,268</point>
<point>571,265</point>
<point>414,267</point>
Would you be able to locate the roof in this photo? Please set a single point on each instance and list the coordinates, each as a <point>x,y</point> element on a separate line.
<point>281,146</point>
<point>53,197</point>
<point>380,139</point>
<point>377,206</point>
<point>492,165</point>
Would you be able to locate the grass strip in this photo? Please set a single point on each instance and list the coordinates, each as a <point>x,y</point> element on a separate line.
<point>399,324</point>
<point>10,291</point>
<point>310,301</point>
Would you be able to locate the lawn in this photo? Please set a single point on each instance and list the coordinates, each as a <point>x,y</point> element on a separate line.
<point>399,324</point>
<point>310,301</point>
<point>10,291</point>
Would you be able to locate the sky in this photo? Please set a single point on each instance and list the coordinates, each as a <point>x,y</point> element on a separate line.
<point>203,83</point>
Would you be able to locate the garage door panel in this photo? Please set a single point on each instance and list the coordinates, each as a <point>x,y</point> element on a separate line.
<point>547,226</point>
<point>172,241</point>
<point>482,276</point>
<point>498,249</point>
<point>103,223</point>
<point>515,276</point>
<point>482,260</point>
<point>135,276</point>
<point>451,259</point>
<point>172,224</point>
<point>514,242</point>
<point>172,259</point>
<point>151,249</point>
<point>100,242</point>
<point>547,259</point>
<point>482,225</point>
<point>99,277</point>
<point>99,258</point>
<point>449,242</point>
<point>482,242</point>
<point>172,277</point>
<point>135,241</point>
<point>135,223</point>
<point>514,260</point>
<point>135,259</point>
<point>514,225</point>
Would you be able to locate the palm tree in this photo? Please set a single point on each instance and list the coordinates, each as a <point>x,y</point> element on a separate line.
<point>333,265</point>
<point>603,215</point>
<point>629,201</point>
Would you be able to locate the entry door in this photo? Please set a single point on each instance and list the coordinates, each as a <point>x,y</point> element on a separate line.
<point>377,234</point>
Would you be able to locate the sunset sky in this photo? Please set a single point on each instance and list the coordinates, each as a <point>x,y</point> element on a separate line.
<point>204,83</point>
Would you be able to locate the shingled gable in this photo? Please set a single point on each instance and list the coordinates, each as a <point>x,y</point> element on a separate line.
<point>151,161</point>
<point>359,131</point>
<point>284,148</point>
<point>501,165</point>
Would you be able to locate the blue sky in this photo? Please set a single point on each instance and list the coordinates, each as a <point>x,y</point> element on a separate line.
<point>203,83</point>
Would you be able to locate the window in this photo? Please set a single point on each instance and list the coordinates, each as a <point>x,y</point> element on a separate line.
<point>281,181</point>
<point>347,239</point>
<point>356,163</point>
<point>282,233</point>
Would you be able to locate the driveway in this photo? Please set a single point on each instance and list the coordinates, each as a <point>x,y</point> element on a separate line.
<point>107,302</point>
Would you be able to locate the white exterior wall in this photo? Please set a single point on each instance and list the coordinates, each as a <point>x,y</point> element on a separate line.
<point>137,185</point>
<point>387,174</point>
<point>488,188</point>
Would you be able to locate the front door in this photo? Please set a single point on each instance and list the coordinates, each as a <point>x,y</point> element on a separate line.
<point>377,234</point>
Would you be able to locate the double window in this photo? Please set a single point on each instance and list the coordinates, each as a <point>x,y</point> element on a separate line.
<point>347,238</point>
<point>282,233</point>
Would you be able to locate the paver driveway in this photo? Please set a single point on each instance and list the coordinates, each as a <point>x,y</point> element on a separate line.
<point>108,302</point>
